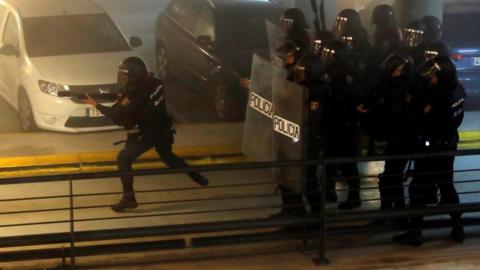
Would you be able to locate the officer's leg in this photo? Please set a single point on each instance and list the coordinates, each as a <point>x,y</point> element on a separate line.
<point>331,182</point>
<point>292,202</point>
<point>312,189</point>
<point>449,195</point>
<point>163,147</point>
<point>392,183</point>
<point>133,149</point>
<point>350,171</point>
<point>418,189</point>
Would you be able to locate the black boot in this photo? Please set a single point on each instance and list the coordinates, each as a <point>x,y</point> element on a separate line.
<point>458,233</point>
<point>350,204</point>
<point>332,197</point>
<point>412,238</point>
<point>126,203</point>
<point>199,179</point>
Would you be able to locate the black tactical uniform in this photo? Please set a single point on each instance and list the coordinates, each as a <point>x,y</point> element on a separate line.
<point>342,130</point>
<point>142,106</point>
<point>356,37</point>
<point>442,115</point>
<point>310,73</point>
<point>394,109</point>
<point>386,40</point>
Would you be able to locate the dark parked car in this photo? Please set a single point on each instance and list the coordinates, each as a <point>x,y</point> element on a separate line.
<point>461,31</point>
<point>210,44</point>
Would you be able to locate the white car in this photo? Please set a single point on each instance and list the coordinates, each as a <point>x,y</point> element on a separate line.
<point>52,46</point>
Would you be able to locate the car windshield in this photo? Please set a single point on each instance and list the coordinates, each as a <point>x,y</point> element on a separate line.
<point>72,34</point>
<point>461,29</point>
<point>243,30</point>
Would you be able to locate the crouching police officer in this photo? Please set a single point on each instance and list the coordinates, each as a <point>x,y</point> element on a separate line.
<point>141,109</point>
<point>395,107</point>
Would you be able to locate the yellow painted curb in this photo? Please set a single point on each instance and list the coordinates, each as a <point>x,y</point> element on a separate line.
<point>97,157</point>
<point>112,168</point>
<point>466,136</point>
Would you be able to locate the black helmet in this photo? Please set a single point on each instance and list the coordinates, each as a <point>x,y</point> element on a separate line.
<point>383,15</point>
<point>443,68</point>
<point>437,49</point>
<point>395,61</point>
<point>413,34</point>
<point>293,18</point>
<point>131,70</point>
<point>353,18</point>
<point>433,28</point>
<point>335,52</point>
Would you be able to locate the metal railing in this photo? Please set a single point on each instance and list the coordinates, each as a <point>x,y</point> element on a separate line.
<point>338,222</point>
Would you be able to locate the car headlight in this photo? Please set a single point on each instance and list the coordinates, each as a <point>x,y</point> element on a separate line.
<point>52,88</point>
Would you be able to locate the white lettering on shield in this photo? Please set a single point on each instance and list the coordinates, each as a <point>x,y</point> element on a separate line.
<point>261,105</point>
<point>286,128</point>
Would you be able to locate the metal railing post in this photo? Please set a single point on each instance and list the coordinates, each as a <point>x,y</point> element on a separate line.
<point>72,225</point>
<point>322,259</point>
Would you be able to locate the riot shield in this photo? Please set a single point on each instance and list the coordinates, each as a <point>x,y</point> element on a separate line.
<point>290,131</point>
<point>276,39</point>
<point>257,133</point>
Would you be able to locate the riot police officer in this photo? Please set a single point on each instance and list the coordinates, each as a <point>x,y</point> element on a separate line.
<point>342,129</point>
<point>141,106</point>
<point>394,108</point>
<point>310,73</point>
<point>294,24</point>
<point>355,36</point>
<point>442,114</point>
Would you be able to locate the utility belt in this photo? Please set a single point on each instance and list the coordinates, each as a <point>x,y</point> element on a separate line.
<point>428,143</point>
<point>132,135</point>
<point>136,134</point>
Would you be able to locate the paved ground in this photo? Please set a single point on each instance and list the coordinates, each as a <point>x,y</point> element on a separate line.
<point>346,252</point>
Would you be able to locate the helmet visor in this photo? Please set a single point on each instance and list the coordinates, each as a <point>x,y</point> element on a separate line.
<point>340,24</point>
<point>429,68</point>
<point>286,23</point>
<point>327,55</point>
<point>317,47</point>
<point>393,63</point>
<point>412,37</point>
<point>348,40</point>
<point>431,54</point>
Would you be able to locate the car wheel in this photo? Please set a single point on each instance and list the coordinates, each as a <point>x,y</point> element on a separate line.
<point>224,100</point>
<point>25,112</point>
<point>162,63</point>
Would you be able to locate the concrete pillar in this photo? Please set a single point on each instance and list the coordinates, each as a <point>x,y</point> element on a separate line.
<point>410,10</point>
